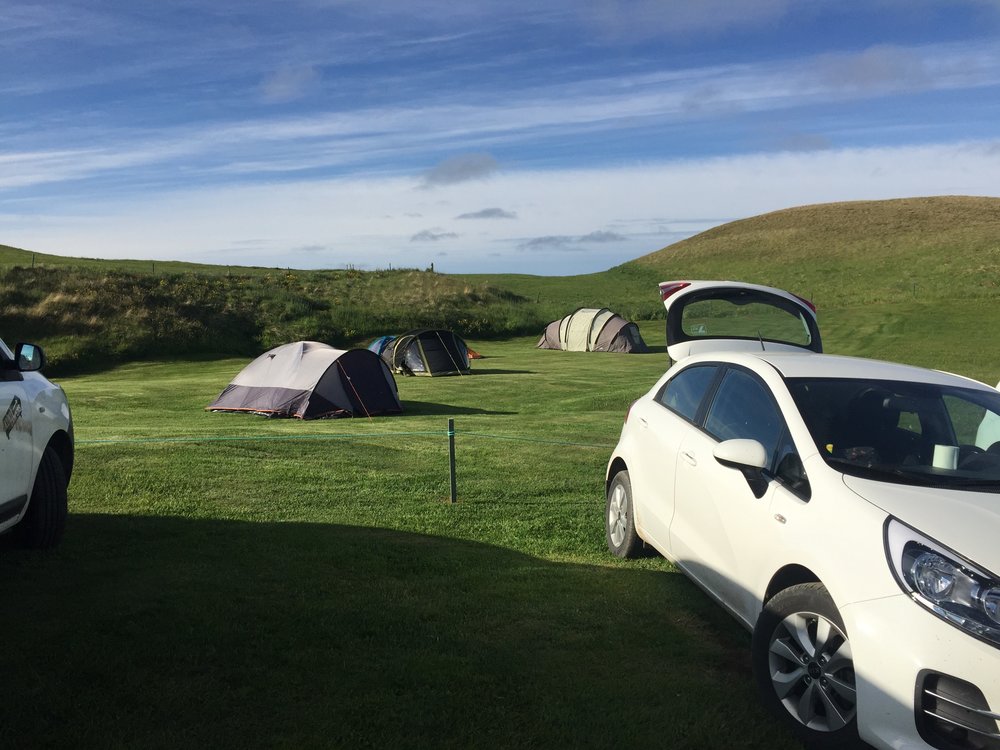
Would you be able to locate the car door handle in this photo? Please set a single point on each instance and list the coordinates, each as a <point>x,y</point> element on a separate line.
<point>689,457</point>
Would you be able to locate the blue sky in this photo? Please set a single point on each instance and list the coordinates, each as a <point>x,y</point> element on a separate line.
<point>548,137</point>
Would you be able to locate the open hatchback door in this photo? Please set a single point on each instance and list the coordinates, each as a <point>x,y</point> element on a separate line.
<point>704,316</point>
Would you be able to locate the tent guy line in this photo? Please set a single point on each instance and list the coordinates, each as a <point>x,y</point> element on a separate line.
<point>331,436</point>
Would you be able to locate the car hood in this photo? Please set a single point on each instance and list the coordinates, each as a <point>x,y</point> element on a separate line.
<point>967,522</point>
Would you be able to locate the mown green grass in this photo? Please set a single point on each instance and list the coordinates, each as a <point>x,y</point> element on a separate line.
<point>232,581</point>
<point>227,580</point>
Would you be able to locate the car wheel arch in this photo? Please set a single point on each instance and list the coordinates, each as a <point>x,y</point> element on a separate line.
<point>617,466</point>
<point>62,444</point>
<point>787,576</point>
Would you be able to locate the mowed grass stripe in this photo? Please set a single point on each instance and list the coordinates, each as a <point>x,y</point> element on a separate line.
<point>325,593</point>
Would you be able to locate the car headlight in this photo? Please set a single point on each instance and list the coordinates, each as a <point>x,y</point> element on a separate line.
<point>952,587</point>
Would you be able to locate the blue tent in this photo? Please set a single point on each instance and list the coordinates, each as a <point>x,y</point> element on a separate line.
<point>380,344</point>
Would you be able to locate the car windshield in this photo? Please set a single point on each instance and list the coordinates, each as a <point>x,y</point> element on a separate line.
<point>908,433</point>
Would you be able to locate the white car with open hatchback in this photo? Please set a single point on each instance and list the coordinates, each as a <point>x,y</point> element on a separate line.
<point>845,510</point>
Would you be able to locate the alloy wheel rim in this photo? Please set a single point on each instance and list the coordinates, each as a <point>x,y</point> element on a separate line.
<point>812,671</point>
<point>617,515</point>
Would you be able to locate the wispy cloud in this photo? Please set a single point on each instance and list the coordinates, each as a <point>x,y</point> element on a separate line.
<point>564,242</point>
<point>489,213</point>
<point>433,235</point>
<point>602,236</point>
<point>549,242</point>
<point>461,169</point>
<point>288,84</point>
<point>879,68</point>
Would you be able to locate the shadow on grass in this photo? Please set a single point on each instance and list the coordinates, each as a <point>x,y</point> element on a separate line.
<point>423,408</point>
<point>160,632</point>
<point>498,371</point>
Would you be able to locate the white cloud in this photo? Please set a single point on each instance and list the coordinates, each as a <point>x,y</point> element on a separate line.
<point>344,221</point>
<point>288,84</point>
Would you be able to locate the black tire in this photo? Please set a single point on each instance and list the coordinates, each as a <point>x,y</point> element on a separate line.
<point>619,518</point>
<point>805,674</point>
<point>43,523</point>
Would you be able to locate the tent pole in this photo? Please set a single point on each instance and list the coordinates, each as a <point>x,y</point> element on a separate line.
<point>451,459</point>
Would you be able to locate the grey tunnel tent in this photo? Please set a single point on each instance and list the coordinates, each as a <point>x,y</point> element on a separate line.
<point>593,330</point>
<point>310,380</point>
<point>427,352</point>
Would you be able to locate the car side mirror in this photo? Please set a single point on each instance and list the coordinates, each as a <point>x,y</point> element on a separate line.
<point>29,357</point>
<point>749,457</point>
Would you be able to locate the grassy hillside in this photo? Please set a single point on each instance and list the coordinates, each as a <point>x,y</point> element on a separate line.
<point>912,279</point>
<point>846,254</point>
<point>86,317</point>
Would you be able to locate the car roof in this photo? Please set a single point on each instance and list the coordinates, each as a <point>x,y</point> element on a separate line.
<point>810,365</point>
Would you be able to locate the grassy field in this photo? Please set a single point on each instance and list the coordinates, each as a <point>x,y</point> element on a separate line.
<point>227,580</point>
<point>231,581</point>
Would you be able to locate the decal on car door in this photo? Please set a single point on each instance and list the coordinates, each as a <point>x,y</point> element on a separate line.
<point>10,419</point>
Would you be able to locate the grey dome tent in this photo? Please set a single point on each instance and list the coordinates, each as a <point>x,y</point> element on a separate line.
<point>427,352</point>
<point>593,330</point>
<point>310,380</point>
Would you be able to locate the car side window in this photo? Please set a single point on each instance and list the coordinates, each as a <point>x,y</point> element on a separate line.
<point>744,408</point>
<point>684,392</point>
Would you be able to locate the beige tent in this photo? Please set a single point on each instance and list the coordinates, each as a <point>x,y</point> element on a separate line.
<point>593,330</point>
<point>309,380</point>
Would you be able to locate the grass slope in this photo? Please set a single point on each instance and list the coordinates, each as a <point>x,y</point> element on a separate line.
<point>941,249</point>
<point>913,280</point>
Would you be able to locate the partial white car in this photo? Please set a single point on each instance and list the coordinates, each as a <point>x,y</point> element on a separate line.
<point>36,449</point>
<point>846,511</point>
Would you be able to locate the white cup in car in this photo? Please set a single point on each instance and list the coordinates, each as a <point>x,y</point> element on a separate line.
<point>946,456</point>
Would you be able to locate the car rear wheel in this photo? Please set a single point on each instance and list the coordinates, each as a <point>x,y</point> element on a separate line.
<point>619,518</point>
<point>803,666</point>
<point>43,523</point>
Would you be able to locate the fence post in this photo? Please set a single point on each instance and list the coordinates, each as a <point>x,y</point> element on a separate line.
<point>451,459</point>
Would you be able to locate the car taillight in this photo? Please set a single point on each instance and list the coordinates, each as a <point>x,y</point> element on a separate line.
<point>668,288</point>
<point>804,301</point>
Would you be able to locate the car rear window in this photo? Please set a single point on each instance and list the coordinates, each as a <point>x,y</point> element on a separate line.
<point>684,392</point>
<point>745,317</point>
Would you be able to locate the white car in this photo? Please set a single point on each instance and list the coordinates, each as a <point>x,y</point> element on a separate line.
<point>36,449</point>
<point>846,511</point>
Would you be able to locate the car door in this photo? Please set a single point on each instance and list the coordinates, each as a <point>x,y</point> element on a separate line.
<point>735,316</point>
<point>720,531</point>
<point>663,423</point>
<point>15,438</point>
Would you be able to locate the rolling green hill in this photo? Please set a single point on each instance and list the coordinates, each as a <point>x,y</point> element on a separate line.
<point>864,252</point>
<point>915,280</point>
<point>912,279</point>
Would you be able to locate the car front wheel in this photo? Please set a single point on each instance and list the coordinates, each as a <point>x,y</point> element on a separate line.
<point>619,518</point>
<point>43,522</point>
<point>803,666</point>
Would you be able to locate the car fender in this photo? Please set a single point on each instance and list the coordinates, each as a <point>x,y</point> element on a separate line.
<point>50,416</point>
<point>831,517</point>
